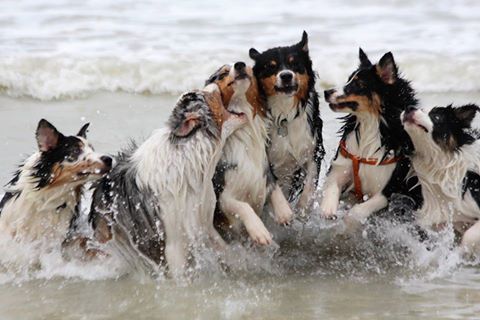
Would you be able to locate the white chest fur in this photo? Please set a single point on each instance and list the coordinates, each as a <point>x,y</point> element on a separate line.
<point>373,177</point>
<point>39,215</point>
<point>246,149</point>
<point>293,146</point>
<point>441,176</point>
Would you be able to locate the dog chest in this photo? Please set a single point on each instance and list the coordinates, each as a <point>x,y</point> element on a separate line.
<point>246,180</point>
<point>29,220</point>
<point>295,149</point>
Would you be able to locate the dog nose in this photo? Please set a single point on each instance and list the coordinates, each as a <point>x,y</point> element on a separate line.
<point>239,66</point>
<point>286,76</point>
<point>410,109</point>
<point>107,161</point>
<point>328,93</point>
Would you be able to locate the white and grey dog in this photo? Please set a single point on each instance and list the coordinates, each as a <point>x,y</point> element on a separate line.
<point>243,177</point>
<point>447,163</point>
<point>158,202</point>
<point>42,199</point>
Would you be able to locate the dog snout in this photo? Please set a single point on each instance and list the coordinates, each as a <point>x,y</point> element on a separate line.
<point>108,161</point>
<point>408,114</point>
<point>286,76</point>
<point>410,109</point>
<point>239,66</point>
<point>328,93</point>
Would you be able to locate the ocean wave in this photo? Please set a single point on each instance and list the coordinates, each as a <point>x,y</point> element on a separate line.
<point>60,77</point>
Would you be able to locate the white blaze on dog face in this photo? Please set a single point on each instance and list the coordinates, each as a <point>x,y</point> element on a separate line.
<point>67,159</point>
<point>285,71</point>
<point>417,121</point>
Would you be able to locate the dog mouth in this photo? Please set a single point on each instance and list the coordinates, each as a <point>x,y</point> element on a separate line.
<point>238,77</point>
<point>408,118</point>
<point>95,172</point>
<point>237,113</point>
<point>343,105</point>
<point>417,124</point>
<point>286,88</point>
<point>241,76</point>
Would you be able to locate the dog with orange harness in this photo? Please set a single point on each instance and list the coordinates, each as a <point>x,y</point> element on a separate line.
<point>371,159</point>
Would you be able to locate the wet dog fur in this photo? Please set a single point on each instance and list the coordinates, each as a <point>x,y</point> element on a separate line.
<point>158,203</point>
<point>243,179</point>
<point>373,98</point>
<point>287,82</point>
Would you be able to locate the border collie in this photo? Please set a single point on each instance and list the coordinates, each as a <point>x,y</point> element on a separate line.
<point>447,163</point>
<point>158,202</point>
<point>371,159</point>
<point>287,82</point>
<point>242,180</point>
<point>42,200</point>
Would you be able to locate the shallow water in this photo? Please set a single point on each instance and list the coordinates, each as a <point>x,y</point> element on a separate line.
<point>311,274</point>
<point>121,67</point>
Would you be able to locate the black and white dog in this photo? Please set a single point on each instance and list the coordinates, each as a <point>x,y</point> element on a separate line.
<point>447,163</point>
<point>371,159</point>
<point>287,81</point>
<point>158,203</point>
<point>42,200</point>
<point>243,178</point>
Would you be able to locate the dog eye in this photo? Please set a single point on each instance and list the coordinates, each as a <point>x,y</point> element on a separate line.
<point>271,65</point>
<point>70,158</point>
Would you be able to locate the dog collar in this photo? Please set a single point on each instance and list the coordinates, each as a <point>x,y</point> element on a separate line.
<point>356,161</point>
<point>282,129</point>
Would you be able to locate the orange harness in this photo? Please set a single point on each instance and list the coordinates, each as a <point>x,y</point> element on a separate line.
<point>357,183</point>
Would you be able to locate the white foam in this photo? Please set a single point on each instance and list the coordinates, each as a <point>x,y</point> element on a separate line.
<point>56,50</point>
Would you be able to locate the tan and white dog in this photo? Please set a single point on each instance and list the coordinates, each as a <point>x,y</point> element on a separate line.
<point>243,178</point>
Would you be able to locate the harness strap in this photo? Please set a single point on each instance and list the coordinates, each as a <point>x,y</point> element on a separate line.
<point>356,161</point>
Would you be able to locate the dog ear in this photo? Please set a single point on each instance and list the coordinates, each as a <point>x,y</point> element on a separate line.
<point>364,61</point>
<point>187,125</point>
<point>83,131</point>
<point>253,53</point>
<point>47,136</point>
<point>304,42</point>
<point>387,69</point>
<point>465,114</point>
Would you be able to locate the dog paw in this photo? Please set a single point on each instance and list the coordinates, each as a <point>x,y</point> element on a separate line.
<point>257,231</point>
<point>356,217</point>
<point>284,215</point>
<point>328,210</point>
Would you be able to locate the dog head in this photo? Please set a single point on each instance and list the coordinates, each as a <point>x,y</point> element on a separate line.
<point>447,127</point>
<point>285,70</point>
<point>67,160</point>
<point>367,88</point>
<point>236,80</point>
<point>202,112</point>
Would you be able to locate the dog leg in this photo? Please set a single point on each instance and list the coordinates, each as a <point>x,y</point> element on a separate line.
<point>360,212</point>
<point>306,197</point>
<point>218,244</point>
<point>176,255</point>
<point>254,225</point>
<point>337,178</point>
<point>281,207</point>
<point>471,240</point>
